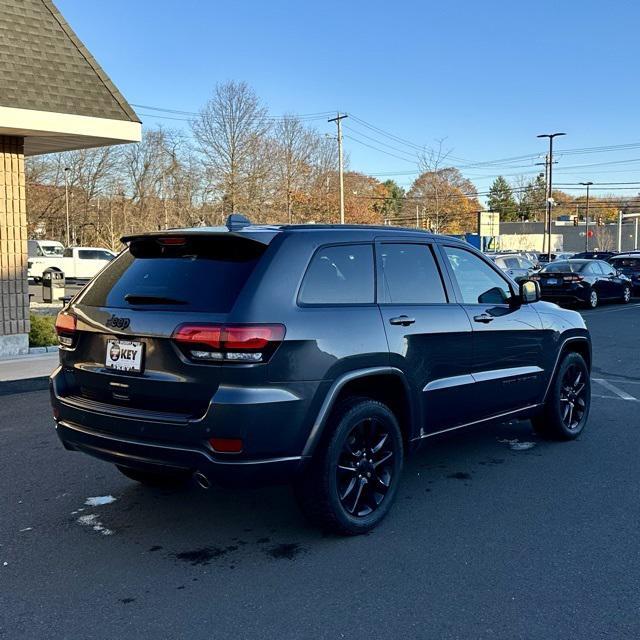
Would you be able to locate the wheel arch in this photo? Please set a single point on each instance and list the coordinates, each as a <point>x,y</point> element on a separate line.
<point>385,384</point>
<point>574,344</point>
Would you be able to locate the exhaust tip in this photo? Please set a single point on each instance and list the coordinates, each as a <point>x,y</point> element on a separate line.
<point>202,480</point>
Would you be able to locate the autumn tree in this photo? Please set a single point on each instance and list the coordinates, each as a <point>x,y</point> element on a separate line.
<point>501,200</point>
<point>447,201</point>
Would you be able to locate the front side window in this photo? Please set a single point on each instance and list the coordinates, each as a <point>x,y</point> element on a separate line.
<point>477,281</point>
<point>340,275</point>
<point>68,253</point>
<point>410,275</point>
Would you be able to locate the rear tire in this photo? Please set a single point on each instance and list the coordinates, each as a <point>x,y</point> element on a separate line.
<point>165,479</point>
<point>352,480</point>
<point>592,300</point>
<point>626,295</point>
<point>566,408</point>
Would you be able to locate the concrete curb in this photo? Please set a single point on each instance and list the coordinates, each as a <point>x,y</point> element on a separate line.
<point>26,385</point>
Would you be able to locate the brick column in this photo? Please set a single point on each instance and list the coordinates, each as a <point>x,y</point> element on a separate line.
<point>14,291</point>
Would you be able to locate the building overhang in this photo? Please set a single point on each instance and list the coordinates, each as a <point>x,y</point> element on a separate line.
<point>50,132</point>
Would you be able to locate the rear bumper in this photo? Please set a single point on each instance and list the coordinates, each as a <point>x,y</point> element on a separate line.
<point>154,456</point>
<point>560,295</point>
<point>270,421</point>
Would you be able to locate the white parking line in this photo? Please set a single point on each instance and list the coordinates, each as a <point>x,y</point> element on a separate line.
<point>610,387</point>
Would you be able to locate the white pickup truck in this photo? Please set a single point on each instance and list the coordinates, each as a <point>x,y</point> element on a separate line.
<point>77,263</point>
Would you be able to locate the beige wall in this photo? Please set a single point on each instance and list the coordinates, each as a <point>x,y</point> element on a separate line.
<point>14,298</point>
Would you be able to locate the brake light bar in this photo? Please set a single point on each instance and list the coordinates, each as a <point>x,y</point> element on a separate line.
<point>573,278</point>
<point>229,343</point>
<point>66,328</point>
<point>173,241</point>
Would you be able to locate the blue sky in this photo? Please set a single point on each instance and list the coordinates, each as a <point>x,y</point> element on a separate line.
<point>487,76</point>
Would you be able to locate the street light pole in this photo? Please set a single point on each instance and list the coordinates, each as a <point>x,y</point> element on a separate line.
<point>66,200</point>
<point>547,221</point>
<point>586,217</point>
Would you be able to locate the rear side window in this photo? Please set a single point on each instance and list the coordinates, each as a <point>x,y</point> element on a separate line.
<point>339,275</point>
<point>203,274</point>
<point>512,263</point>
<point>592,268</point>
<point>94,254</point>
<point>410,275</point>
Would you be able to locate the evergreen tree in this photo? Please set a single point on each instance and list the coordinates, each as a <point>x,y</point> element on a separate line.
<point>532,204</point>
<point>501,200</point>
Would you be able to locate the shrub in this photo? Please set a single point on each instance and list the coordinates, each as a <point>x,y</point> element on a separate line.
<point>43,333</point>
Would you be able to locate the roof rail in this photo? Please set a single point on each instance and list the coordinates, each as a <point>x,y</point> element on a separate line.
<point>237,221</point>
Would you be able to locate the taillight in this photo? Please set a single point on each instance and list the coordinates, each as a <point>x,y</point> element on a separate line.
<point>229,343</point>
<point>66,328</point>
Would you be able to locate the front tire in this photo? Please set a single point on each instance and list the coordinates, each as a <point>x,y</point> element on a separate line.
<point>166,479</point>
<point>566,408</point>
<point>626,295</point>
<point>352,479</point>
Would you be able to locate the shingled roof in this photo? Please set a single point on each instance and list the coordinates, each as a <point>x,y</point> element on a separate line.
<point>45,67</point>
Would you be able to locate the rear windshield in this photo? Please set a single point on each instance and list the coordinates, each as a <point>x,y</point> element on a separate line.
<point>564,267</point>
<point>204,274</point>
<point>621,263</point>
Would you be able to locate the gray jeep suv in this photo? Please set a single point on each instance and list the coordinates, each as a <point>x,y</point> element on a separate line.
<point>315,354</point>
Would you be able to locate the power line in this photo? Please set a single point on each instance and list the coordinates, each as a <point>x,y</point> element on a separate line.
<point>393,155</point>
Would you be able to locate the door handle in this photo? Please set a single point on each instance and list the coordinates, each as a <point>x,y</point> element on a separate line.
<point>484,318</point>
<point>404,321</point>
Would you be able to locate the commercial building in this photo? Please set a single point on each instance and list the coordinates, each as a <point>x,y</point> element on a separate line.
<point>54,96</point>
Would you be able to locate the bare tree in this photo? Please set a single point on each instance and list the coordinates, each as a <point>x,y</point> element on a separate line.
<point>228,130</point>
<point>431,162</point>
<point>295,151</point>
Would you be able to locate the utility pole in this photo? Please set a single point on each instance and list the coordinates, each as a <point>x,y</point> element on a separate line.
<point>66,200</point>
<point>586,217</point>
<point>551,136</point>
<point>417,216</point>
<point>338,120</point>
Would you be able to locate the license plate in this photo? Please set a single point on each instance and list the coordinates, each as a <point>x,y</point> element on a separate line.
<point>124,355</point>
<point>552,281</point>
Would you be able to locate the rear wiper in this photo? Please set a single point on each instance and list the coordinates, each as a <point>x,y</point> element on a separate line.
<point>135,298</point>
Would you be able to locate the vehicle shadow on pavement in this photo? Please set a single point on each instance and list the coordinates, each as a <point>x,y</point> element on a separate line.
<point>228,526</point>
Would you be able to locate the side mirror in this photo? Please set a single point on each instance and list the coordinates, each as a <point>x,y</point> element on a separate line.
<point>530,291</point>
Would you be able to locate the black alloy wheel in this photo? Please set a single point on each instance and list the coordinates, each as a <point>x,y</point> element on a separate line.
<point>573,396</point>
<point>365,467</point>
<point>566,408</point>
<point>353,477</point>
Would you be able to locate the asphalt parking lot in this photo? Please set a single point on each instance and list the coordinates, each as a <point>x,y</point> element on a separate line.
<point>495,534</point>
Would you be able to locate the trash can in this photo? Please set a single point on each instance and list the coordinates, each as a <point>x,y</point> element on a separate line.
<point>52,285</point>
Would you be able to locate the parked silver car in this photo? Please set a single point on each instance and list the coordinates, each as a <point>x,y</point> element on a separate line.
<point>515,265</point>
